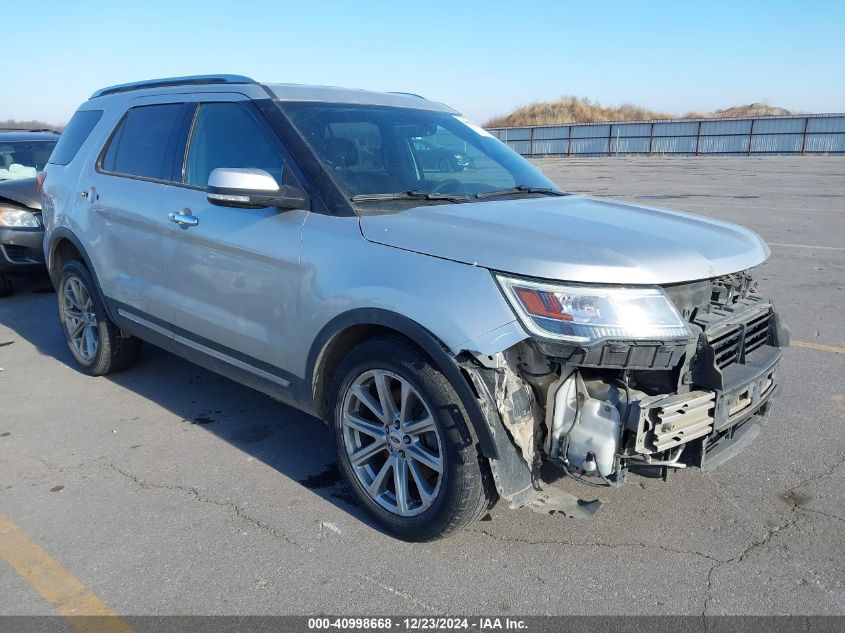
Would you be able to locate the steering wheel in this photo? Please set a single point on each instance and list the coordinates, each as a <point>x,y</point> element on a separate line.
<point>443,186</point>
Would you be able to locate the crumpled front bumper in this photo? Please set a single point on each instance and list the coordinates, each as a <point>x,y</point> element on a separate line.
<point>712,426</point>
<point>602,411</point>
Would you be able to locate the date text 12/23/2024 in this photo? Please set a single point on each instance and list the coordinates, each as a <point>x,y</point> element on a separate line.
<point>418,624</point>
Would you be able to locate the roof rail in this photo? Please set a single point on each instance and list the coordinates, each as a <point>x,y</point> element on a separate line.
<point>174,81</point>
<point>407,94</point>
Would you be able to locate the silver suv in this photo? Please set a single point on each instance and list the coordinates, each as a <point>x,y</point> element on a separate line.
<point>458,328</point>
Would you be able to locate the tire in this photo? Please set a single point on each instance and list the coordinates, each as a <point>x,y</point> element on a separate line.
<point>94,341</point>
<point>435,504</point>
<point>5,287</point>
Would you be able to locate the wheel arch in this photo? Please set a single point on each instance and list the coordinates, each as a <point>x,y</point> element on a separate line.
<point>63,246</point>
<point>347,330</point>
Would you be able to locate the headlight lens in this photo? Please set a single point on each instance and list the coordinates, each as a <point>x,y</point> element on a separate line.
<point>17,218</point>
<point>588,314</point>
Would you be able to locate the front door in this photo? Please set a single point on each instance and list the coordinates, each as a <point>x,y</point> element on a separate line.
<point>234,273</point>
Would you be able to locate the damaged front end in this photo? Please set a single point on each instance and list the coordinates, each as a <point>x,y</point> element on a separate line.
<point>694,395</point>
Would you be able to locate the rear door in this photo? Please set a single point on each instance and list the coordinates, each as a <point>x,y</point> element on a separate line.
<point>123,189</point>
<point>234,275</point>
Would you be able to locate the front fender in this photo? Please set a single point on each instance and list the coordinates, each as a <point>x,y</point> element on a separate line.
<point>424,339</point>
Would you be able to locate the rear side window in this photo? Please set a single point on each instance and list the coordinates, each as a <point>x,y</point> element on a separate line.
<point>229,135</point>
<point>139,145</point>
<point>77,130</point>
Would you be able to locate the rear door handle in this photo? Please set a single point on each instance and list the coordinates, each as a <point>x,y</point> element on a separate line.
<point>89,194</point>
<point>184,218</point>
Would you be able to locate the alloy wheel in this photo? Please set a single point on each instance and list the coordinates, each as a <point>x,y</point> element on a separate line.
<point>392,442</point>
<point>79,319</point>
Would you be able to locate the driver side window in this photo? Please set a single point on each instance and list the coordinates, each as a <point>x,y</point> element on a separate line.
<point>227,134</point>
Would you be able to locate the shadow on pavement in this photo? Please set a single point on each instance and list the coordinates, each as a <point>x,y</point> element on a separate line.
<point>295,444</point>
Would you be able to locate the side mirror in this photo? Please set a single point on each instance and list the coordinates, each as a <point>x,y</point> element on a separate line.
<point>252,189</point>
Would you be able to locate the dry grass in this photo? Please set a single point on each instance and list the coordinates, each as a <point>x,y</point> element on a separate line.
<point>752,109</point>
<point>11,124</point>
<point>581,110</point>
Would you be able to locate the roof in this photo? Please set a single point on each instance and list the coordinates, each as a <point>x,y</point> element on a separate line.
<point>11,136</point>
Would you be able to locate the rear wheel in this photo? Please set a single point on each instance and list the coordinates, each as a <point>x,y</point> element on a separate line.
<point>96,343</point>
<point>405,444</point>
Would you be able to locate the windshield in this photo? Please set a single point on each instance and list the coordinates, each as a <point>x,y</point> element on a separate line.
<point>23,159</point>
<point>424,156</point>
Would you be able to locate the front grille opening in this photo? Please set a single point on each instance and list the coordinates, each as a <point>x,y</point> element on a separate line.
<point>744,338</point>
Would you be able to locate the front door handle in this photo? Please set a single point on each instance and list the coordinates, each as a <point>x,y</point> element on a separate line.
<point>184,218</point>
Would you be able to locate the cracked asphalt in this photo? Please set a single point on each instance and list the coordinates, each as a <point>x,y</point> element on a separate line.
<point>166,489</point>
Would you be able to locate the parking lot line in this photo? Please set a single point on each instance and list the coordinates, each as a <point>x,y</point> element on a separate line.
<point>823,248</point>
<point>819,346</point>
<point>55,583</point>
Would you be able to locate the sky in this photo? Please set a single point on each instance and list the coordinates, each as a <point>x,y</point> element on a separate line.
<point>481,57</point>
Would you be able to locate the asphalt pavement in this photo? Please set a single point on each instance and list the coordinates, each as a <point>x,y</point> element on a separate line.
<point>166,489</point>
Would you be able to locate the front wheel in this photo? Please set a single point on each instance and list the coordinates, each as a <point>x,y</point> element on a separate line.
<point>405,444</point>
<point>97,344</point>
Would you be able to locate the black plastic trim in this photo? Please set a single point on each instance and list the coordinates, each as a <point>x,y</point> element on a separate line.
<point>331,198</point>
<point>750,377</point>
<point>727,448</point>
<point>62,233</point>
<point>287,393</point>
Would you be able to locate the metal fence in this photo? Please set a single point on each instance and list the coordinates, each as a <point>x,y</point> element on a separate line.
<point>805,134</point>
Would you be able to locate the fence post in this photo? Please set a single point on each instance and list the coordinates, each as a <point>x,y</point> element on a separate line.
<point>650,138</point>
<point>698,138</point>
<point>804,135</point>
<point>609,139</point>
<point>751,136</point>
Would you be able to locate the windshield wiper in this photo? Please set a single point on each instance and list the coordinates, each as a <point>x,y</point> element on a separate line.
<point>413,194</point>
<point>518,190</point>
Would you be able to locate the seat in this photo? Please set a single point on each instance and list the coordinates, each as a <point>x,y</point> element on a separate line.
<point>340,152</point>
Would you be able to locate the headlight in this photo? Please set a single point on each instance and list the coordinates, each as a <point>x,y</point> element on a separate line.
<point>18,219</point>
<point>587,314</point>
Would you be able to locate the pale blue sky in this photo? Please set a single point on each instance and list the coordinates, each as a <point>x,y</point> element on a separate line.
<point>483,58</point>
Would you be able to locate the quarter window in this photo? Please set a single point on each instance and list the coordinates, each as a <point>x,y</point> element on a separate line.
<point>229,135</point>
<point>78,129</point>
<point>139,145</point>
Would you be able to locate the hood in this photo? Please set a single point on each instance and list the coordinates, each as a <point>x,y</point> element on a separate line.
<point>573,238</point>
<point>22,192</point>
